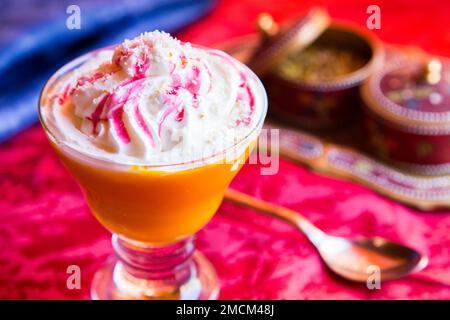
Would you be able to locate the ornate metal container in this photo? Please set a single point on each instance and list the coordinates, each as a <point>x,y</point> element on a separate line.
<point>407,107</point>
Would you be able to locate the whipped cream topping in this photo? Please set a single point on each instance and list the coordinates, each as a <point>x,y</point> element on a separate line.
<point>155,100</point>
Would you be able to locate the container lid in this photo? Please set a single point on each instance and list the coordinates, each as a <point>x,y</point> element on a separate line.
<point>278,44</point>
<point>413,93</point>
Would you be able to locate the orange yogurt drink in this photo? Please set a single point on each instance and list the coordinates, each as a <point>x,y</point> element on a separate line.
<point>152,206</point>
<point>154,130</point>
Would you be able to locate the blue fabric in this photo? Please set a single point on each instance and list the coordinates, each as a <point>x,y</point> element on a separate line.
<point>35,41</point>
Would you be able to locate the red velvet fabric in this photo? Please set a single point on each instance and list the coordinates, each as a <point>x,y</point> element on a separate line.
<point>46,226</point>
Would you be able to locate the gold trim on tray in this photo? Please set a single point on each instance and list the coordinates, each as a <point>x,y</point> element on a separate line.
<point>425,193</point>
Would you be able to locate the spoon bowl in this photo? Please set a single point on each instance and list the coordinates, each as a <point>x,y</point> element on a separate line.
<point>358,259</point>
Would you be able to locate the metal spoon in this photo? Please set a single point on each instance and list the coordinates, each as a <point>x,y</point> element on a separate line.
<point>352,259</point>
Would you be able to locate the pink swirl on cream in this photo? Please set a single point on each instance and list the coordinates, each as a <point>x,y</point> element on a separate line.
<point>154,98</point>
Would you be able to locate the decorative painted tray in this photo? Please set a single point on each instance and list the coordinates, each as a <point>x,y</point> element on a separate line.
<point>344,153</point>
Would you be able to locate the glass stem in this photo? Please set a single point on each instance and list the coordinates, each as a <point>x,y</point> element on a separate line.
<point>153,271</point>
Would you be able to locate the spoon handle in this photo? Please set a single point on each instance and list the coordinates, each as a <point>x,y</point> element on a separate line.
<point>293,217</point>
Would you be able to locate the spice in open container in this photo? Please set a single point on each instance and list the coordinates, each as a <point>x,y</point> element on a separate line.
<point>313,69</point>
<point>407,107</point>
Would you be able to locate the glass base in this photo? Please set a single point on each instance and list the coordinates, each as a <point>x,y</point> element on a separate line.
<point>174,272</point>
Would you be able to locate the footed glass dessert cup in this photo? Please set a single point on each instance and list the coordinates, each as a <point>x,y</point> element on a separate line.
<point>153,211</point>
